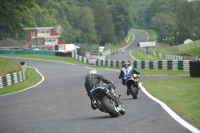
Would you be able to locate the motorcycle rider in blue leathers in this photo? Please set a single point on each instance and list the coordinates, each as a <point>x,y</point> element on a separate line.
<point>126,71</point>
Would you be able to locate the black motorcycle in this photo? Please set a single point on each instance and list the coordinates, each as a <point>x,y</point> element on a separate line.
<point>106,100</point>
<point>132,85</point>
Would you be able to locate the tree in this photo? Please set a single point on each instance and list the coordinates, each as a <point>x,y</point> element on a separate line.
<point>69,34</point>
<point>82,18</point>
<point>142,6</point>
<point>104,25</point>
<point>186,16</point>
<point>158,6</point>
<point>123,15</point>
<point>164,24</point>
<point>11,12</point>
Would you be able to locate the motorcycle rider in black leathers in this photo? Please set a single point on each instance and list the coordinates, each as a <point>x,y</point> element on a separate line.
<point>93,79</point>
<point>127,70</point>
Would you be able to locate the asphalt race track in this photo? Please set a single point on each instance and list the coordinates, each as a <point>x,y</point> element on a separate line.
<point>139,37</point>
<point>60,105</point>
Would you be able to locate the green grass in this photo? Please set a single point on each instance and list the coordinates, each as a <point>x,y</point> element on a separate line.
<point>138,54</point>
<point>164,51</point>
<point>123,43</point>
<point>192,49</point>
<point>32,78</point>
<point>181,94</point>
<point>190,46</point>
<point>46,57</point>
<point>7,66</point>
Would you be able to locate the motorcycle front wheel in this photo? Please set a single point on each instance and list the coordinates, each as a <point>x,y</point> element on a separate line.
<point>133,92</point>
<point>110,108</point>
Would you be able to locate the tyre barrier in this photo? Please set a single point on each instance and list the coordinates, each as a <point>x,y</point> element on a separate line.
<point>163,64</point>
<point>13,78</point>
<point>194,68</point>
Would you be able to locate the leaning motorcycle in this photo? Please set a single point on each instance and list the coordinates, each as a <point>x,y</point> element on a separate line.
<point>107,100</point>
<point>132,85</point>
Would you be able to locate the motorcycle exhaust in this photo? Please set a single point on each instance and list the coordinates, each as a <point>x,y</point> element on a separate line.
<point>110,95</point>
<point>107,90</point>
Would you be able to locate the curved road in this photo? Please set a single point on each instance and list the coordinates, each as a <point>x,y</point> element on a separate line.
<point>139,37</point>
<point>60,105</point>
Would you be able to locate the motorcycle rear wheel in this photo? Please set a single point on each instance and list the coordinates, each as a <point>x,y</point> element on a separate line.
<point>109,107</point>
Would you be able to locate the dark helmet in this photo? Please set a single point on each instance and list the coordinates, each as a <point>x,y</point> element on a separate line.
<point>126,64</point>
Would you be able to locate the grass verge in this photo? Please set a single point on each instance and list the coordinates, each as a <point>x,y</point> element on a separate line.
<point>138,54</point>
<point>181,94</point>
<point>7,66</point>
<point>32,78</point>
<point>46,57</point>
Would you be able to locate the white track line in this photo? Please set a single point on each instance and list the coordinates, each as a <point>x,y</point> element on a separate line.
<point>28,87</point>
<point>171,112</point>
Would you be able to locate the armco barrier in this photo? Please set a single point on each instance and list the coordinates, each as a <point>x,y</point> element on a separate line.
<point>195,68</point>
<point>13,78</point>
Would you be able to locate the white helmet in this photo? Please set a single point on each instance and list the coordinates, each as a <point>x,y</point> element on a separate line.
<point>126,64</point>
<point>93,71</point>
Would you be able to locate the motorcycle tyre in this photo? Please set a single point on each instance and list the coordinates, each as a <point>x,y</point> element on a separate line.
<point>133,92</point>
<point>108,107</point>
<point>137,86</point>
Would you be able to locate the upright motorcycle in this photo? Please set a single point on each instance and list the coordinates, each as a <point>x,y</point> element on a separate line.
<point>132,85</point>
<point>107,100</point>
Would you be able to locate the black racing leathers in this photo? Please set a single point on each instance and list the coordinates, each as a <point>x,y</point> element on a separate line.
<point>127,72</point>
<point>93,79</point>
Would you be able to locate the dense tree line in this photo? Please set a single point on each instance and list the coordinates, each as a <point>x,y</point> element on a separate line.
<point>102,21</point>
<point>173,20</point>
<point>83,21</point>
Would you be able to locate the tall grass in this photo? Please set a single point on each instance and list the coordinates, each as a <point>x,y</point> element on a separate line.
<point>192,48</point>
<point>7,66</point>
